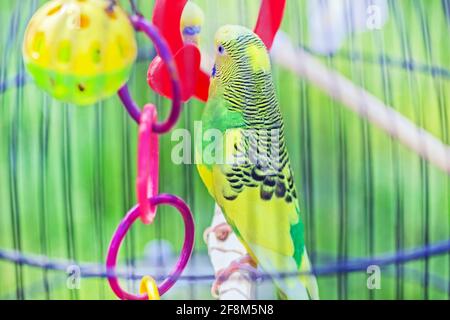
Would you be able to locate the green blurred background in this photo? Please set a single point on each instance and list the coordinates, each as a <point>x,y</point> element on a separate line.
<point>67,173</point>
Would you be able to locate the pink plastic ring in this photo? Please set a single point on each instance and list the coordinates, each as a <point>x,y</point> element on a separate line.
<point>125,225</point>
<point>147,164</point>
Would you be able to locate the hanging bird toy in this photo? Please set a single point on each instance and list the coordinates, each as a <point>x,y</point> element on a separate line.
<point>80,51</point>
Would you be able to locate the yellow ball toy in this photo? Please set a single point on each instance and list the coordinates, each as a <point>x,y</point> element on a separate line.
<point>80,51</point>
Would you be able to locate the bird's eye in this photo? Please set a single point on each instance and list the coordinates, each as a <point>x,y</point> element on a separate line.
<point>221,49</point>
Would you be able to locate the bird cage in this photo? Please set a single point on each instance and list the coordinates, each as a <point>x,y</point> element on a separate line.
<point>363,88</point>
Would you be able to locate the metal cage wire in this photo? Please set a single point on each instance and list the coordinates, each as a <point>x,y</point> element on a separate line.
<point>366,200</point>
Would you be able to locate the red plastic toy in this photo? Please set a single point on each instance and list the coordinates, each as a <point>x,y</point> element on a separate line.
<point>194,81</point>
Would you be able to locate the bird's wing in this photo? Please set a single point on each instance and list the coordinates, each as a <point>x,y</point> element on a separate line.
<point>254,186</point>
<point>263,226</point>
<point>260,203</point>
<point>255,196</point>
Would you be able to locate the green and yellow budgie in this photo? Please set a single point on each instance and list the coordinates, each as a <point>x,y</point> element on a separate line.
<point>256,189</point>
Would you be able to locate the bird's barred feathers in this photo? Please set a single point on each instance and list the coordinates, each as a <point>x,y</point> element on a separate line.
<point>256,191</point>
<point>260,154</point>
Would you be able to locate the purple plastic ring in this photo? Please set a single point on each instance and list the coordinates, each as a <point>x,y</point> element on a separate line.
<point>142,25</point>
<point>125,225</point>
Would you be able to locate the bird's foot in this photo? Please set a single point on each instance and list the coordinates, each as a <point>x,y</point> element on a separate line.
<point>246,263</point>
<point>221,231</point>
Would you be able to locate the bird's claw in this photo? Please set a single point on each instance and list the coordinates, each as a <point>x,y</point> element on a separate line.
<point>246,263</point>
<point>222,231</point>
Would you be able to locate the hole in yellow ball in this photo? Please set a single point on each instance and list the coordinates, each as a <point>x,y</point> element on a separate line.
<point>84,21</point>
<point>111,13</point>
<point>54,10</point>
<point>96,52</point>
<point>81,87</point>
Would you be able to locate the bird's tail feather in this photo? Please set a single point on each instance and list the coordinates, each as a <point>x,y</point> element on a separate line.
<point>309,280</point>
<point>302,287</point>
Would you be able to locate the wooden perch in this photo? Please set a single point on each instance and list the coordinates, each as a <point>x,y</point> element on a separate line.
<point>222,252</point>
<point>362,102</point>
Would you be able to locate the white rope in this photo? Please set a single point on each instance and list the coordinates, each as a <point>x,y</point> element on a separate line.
<point>222,253</point>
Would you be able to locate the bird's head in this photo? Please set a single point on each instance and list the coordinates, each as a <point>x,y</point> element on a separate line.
<point>240,54</point>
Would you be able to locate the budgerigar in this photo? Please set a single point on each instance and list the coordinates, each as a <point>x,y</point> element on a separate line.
<point>255,190</point>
